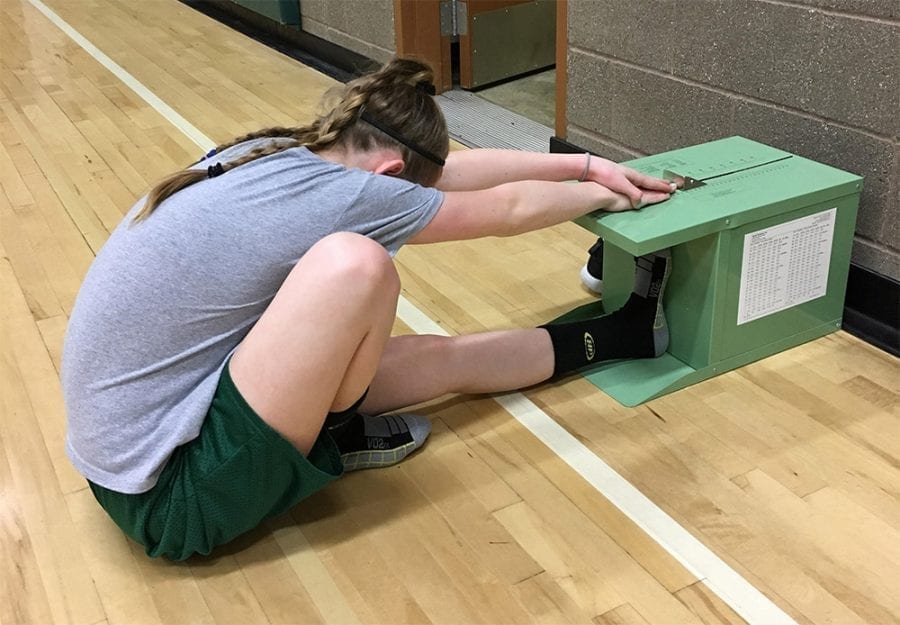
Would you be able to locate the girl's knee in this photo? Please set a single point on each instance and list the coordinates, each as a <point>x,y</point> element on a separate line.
<point>355,260</point>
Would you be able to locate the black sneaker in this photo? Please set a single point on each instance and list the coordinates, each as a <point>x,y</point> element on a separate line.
<point>592,272</point>
<point>651,274</point>
<point>381,441</point>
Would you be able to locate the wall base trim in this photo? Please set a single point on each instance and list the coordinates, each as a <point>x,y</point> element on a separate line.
<point>320,54</point>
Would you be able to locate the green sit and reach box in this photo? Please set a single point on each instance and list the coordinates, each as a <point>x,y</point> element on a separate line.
<point>760,242</point>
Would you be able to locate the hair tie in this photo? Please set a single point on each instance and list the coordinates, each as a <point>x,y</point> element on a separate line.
<point>587,167</point>
<point>215,170</point>
<point>426,87</point>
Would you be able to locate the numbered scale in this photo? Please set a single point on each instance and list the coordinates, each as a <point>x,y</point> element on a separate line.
<point>760,244</point>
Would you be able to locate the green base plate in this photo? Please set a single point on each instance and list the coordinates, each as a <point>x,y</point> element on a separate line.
<point>633,382</point>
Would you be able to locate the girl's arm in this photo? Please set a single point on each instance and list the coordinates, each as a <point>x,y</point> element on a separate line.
<point>517,207</point>
<point>473,170</point>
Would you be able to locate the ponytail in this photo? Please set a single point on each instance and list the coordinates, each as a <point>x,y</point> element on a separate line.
<point>166,187</point>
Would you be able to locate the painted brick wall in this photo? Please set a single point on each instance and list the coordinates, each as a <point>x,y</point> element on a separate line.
<point>817,78</point>
<point>363,26</point>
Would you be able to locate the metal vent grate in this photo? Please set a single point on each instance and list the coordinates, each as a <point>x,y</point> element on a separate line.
<point>477,123</point>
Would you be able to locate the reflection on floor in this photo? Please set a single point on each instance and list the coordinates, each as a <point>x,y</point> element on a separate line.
<point>531,96</point>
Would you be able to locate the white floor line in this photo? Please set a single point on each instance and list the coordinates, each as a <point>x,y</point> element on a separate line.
<point>205,143</point>
<point>721,579</point>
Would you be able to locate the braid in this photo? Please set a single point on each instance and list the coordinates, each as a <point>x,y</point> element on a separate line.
<point>265,150</point>
<point>275,131</point>
<point>397,96</point>
<point>333,124</point>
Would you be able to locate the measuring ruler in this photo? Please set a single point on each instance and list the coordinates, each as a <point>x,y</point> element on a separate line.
<point>686,183</point>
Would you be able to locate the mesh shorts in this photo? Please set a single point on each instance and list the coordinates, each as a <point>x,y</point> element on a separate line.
<point>235,474</point>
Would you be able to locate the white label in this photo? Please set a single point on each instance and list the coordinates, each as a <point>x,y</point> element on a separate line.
<point>785,265</point>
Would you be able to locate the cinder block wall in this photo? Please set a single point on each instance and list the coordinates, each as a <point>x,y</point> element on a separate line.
<point>818,78</point>
<point>363,26</point>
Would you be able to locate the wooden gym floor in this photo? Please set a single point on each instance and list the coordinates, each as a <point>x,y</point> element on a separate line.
<point>788,470</point>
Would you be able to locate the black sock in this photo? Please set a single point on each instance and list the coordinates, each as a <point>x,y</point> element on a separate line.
<point>636,330</point>
<point>337,422</point>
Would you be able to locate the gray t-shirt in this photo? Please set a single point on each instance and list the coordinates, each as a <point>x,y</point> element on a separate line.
<point>167,300</point>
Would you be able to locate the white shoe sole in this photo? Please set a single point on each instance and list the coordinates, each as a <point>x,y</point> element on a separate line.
<point>595,285</point>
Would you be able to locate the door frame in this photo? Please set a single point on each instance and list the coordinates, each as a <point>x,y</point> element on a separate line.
<point>562,67</point>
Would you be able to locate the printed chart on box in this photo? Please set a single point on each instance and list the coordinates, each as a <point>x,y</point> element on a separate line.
<point>785,265</point>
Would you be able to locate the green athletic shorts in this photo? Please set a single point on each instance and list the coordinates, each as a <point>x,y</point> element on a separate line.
<point>236,473</point>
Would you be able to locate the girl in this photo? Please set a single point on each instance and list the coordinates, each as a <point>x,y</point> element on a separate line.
<point>229,352</point>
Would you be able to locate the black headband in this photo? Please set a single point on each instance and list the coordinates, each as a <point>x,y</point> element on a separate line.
<point>399,138</point>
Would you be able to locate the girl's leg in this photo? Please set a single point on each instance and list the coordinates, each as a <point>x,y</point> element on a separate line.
<point>417,368</point>
<point>318,344</point>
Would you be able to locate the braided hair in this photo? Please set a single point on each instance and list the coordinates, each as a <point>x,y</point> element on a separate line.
<point>390,108</point>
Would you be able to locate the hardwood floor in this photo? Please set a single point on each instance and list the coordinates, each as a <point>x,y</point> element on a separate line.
<point>788,469</point>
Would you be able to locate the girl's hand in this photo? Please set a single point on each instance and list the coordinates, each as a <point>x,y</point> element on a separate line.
<point>639,189</point>
<point>620,202</point>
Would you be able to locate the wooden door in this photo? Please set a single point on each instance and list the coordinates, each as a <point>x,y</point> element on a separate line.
<point>504,38</point>
<point>418,35</point>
